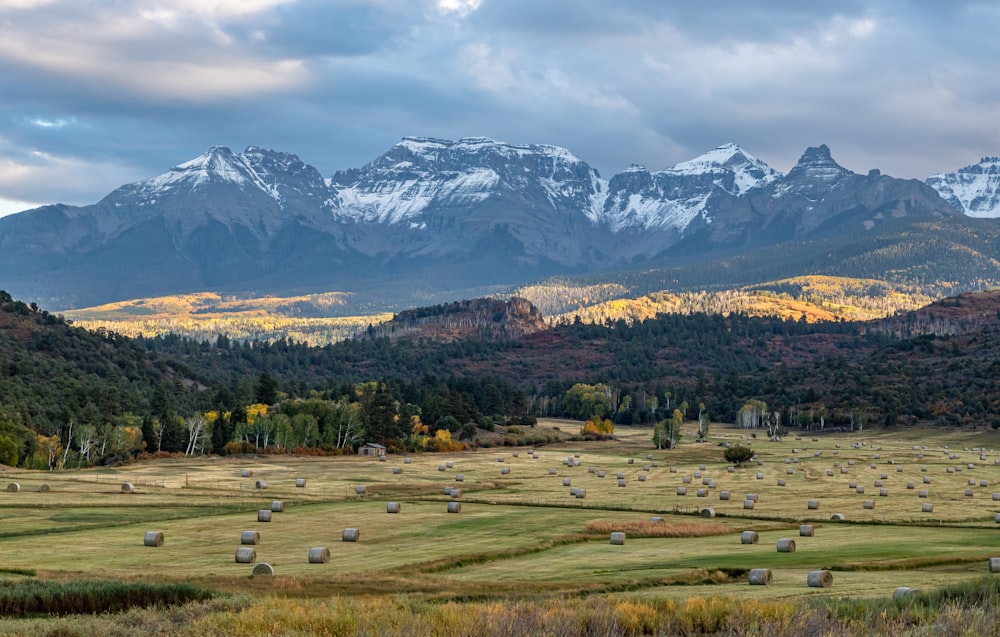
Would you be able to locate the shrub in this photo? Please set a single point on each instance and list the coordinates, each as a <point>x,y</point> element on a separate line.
<point>737,454</point>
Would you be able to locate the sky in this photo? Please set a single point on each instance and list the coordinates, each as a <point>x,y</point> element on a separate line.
<point>95,94</point>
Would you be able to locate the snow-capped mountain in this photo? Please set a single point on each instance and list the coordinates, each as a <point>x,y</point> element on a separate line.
<point>973,190</point>
<point>429,214</point>
<point>672,199</point>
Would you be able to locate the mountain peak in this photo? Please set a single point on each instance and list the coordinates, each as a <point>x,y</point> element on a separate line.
<point>973,190</point>
<point>817,165</point>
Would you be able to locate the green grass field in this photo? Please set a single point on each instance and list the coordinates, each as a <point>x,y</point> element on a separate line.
<point>523,533</point>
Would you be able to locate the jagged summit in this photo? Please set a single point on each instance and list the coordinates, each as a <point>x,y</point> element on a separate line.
<point>973,190</point>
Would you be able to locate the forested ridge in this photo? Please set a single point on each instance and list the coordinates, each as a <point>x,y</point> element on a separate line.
<point>71,397</point>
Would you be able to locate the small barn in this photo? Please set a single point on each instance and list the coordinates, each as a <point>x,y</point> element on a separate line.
<point>371,449</point>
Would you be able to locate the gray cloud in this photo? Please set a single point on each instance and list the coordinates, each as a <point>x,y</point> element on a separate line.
<point>93,95</point>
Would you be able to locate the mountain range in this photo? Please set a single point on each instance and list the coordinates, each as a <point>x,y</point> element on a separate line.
<point>440,220</point>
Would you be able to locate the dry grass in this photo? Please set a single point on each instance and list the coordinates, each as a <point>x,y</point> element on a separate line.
<point>645,528</point>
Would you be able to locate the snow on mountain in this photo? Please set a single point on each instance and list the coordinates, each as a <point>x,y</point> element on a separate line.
<point>974,190</point>
<point>420,173</point>
<point>673,198</point>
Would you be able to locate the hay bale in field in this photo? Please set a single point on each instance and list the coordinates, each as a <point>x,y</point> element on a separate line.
<point>996,497</point>
<point>829,473</point>
<point>128,487</point>
<point>753,496</point>
<point>911,485</point>
<point>730,469</point>
<point>300,483</point>
<point>819,579</point>
<point>641,477</point>
<point>706,481</point>
<point>697,474</point>
<point>397,470</point>
<point>645,467</point>
<point>839,517</point>
<point>446,490</point>
<point>514,454</point>
<point>968,493</point>
<point>618,538</point>
<point>749,537</point>
<point>899,469</point>
<point>13,487</point>
<point>44,488</point>
<point>278,506</point>
<point>682,490</point>
<point>250,537</point>
<point>852,485</point>
<point>673,469</point>
<point>656,464</point>
<point>927,479</point>
<point>591,469</point>
<point>581,494</point>
<point>630,461</point>
<point>622,482</point>
<point>656,519</point>
<point>724,495</point>
<point>879,483</point>
<point>927,507</point>
<point>441,467</point>
<point>760,576</point>
<point>567,482</point>
<point>686,479</point>
<point>350,535</point>
<point>264,515</point>
<point>812,505</point>
<point>994,565</point>
<point>883,493</point>
<point>760,475</point>
<point>860,490</point>
<point>782,482</point>
<point>534,456</point>
<point>153,538</point>
<point>708,512</point>
<point>505,471</point>
<point>246,555</point>
<point>790,471</point>
<point>923,493</point>
<point>984,483</point>
<point>246,473</point>
<point>996,518</point>
<point>319,555</point>
<point>869,504</point>
<point>620,476</point>
<point>392,507</point>
<point>459,477</point>
<point>786,545</point>
<point>260,484</point>
<point>749,505</point>
<point>407,460</point>
<point>903,592</point>
<point>843,470</point>
<point>262,569</point>
<point>806,530</point>
<point>454,507</point>
<point>701,493</point>
<point>456,493</point>
<point>449,465</point>
<point>361,490</point>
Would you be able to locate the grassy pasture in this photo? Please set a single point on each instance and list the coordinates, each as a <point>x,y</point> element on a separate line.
<point>523,533</point>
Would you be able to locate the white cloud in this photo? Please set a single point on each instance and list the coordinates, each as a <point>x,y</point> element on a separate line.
<point>461,7</point>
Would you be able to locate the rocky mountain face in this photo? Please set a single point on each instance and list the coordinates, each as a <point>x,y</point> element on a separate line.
<point>431,215</point>
<point>486,318</point>
<point>973,190</point>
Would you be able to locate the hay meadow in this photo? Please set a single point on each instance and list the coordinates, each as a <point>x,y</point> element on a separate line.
<point>527,550</point>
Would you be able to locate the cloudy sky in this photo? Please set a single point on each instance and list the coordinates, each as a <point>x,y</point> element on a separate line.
<point>95,94</point>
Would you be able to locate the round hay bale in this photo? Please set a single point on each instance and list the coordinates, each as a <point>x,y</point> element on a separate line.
<point>968,493</point>
<point>927,479</point>
<point>782,483</point>
<point>883,493</point>
<point>449,465</point>
<point>44,488</point>
<point>319,555</point>
<point>622,482</point>
<point>724,495</point>
<point>749,504</point>
<point>994,565</point>
<point>984,483</point>
<point>806,530</point>
<point>250,537</point>
<point>397,470</point>
<point>884,476</point>
<point>927,507</point>
<point>264,515</point>
<point>790,471</point>
<point>260,484</point>
<point>456,494</point>
<point>701,493</point>
<point>879,483</point>
<point>581,494</point>
<point>127,487</point>
<point>262,569</point>
<point>246,473</point>
<point>591,469</point>
<point>760,576</point>
<point>246,555</point>
<point>686,479</point>
<point>514,454</point>
<point>649,456</point>
<point>407,460</point>
<point>838,517</point>
<point>852,485</point>
<point>392,507</point>
<point>860,490</point>
<point>567,482</point>
<point>673,469</point>
<point>630,461</point>
<point>300,483</point>
<point>708,512</point>
<point>753,496</point>
<point>153,538</point>
<point>812,505</point>
<point>446,490</point>
<point>641,477</point>
<point>361,490</point>
<point>499,458</point>
<point>350,535</point>
<point>441,467</point>
<point>996,497</point>
<point>749,537</point>
<point>760,475</point>
<point>618,538</point>
<point>13,487</point>
<point>923,493</point>
<point>454,507</point>
<point>620,476</point>
<point>911,485</point>
<point>656,519</point>
<point>868,504</point>
<point>843,470</point>
<point>534,456</point>
<point>504,471</point>
<point>730,469</point>
<point>819,579</point>
<point>786,545</point>
<point>682,490</point>
<point>278,506</point>
<point>996,518</point>
<point>829,473</point>
<point>903,592</point>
